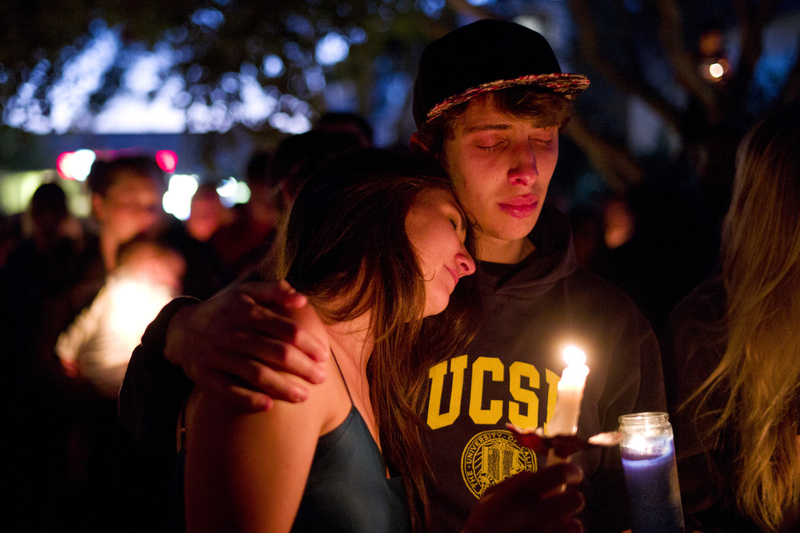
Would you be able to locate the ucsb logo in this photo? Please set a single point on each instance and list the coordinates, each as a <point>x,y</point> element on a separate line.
<point>522,408</point>
<point>492,456</point>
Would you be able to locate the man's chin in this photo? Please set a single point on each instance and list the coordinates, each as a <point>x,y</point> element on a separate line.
<point>518,229</point>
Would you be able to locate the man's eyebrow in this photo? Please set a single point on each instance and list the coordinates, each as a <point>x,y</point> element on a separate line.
<point>487,127</point>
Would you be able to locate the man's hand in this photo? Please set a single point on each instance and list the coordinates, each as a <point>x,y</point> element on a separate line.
<point>236,342</point>
<point>544,502</point>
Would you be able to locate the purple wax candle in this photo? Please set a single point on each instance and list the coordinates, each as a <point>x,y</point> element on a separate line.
<point>653,493</point>
<point>648,460</point>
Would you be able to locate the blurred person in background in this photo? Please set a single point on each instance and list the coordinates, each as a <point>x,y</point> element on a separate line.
<point>242,243</point>
<point>112,485</point>
<point>39,404</point>
<point>67,420</point>
<point>127,200</point>
<point>99,343</point>
<point>108,479</point>
<point>127,195</point>
<point>42,266</point>
<point>347,122</point>
<point>47,220</point>
<point>297,157</point>
<point>273,182</point>
<point>619,223</point>
<point>586,221</point>
<point>732,351</point>
<point>207,214</point>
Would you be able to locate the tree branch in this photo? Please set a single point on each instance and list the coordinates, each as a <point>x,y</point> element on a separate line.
<point>671,35</point>
<point>592,54</point>
<point>751,28</point>
<point>619,168</point>
<point>791,88</point>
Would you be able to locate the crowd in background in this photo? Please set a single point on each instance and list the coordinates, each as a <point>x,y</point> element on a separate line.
<point>75,298</point>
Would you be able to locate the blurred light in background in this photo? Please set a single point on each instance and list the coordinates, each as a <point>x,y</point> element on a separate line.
<point>231,191</point>
<point>151,100</point>
<point>208,18</point>
<point>290,124</point>
<point>167,160</point>
<point>273,66</point>
<point>69,97</point>
<point>332,49</point>
<point>178,198</point>
<point>315,79</point>
<point>75,165</point>
<point>714,70</point>
<point>531,22</point>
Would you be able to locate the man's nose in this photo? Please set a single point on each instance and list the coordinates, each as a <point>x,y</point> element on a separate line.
<point>148,215</point>
<point>523,169</point>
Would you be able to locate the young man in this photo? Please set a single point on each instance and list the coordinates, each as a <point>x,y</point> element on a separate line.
<point>489,102</point>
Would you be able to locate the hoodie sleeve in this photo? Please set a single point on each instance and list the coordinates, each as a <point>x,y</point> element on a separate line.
<point>635,384</point>
<point>154,390</point>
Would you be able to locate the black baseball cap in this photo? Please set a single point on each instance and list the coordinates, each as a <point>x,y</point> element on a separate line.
<point>486,56</point>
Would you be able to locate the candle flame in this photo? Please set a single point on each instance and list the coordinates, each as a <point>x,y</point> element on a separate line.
<point>716,70</point>
<point>638,443</point>
<point>574,356</point>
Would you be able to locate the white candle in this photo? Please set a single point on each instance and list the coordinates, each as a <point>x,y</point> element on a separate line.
<point>570,393</point>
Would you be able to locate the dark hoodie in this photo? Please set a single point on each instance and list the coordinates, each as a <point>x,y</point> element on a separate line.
<point>509,373</point>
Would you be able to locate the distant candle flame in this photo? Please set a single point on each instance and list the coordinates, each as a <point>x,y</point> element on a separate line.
<point>716,70</point>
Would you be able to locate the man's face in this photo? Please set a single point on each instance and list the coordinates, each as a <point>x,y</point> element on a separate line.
<point>132,205</point>
<point>501,167</point>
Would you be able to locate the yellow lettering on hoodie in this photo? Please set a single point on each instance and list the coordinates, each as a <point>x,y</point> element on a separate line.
<point>494,367</point>
<point>552,392</point>
<point>517,371</point>
<point>437,419</point>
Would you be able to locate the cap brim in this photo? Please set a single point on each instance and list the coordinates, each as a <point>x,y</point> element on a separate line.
<point>567,85</point>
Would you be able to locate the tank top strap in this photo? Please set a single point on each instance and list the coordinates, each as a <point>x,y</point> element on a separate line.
<point>343,380</point>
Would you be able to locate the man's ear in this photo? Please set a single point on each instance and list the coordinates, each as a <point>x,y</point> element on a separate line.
<point>417,145</point>
<point>98,207</point>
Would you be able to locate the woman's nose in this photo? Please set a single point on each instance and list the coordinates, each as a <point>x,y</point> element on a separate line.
<point>466,266</point>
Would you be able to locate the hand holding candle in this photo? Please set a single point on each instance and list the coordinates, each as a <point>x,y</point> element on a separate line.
<point>570,394</point>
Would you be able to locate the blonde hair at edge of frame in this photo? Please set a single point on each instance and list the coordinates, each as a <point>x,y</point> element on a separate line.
<point>759,374</point>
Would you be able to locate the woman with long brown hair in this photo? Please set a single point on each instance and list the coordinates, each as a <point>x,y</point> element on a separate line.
<point>376,242</point>
<point>735,342</point>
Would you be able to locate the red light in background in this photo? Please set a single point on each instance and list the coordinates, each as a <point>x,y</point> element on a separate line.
<point>167,160</point>
<point>75,165</point>
<point>62,164</point>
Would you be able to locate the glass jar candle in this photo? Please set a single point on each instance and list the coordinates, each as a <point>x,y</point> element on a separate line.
<point>651,473</point>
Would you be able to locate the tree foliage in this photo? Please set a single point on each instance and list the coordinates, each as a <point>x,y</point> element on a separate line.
<point>709,117</point>
<point>213,38</point>
<point>624,45</point>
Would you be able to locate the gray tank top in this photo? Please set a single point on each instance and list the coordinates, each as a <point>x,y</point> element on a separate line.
<point>347,490</point>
